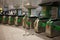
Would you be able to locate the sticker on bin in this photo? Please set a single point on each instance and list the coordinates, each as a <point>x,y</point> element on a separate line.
<point>47,26</point>
<point>48,30</point>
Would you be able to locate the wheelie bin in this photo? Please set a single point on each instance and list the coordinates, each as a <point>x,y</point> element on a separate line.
<point>12,15</point>
<point>40,23</point>
<point>19,20</point>
<point>5,17</point>
<point>53,28</point>
<point>31,21</point>
<point>12,18</point>
<point>53,25</point>
<point>32,16</point>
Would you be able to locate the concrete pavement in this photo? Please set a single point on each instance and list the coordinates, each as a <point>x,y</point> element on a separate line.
<point>17,33</point>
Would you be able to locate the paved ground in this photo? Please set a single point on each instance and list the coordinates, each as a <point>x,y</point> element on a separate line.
<point>17,33</point>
